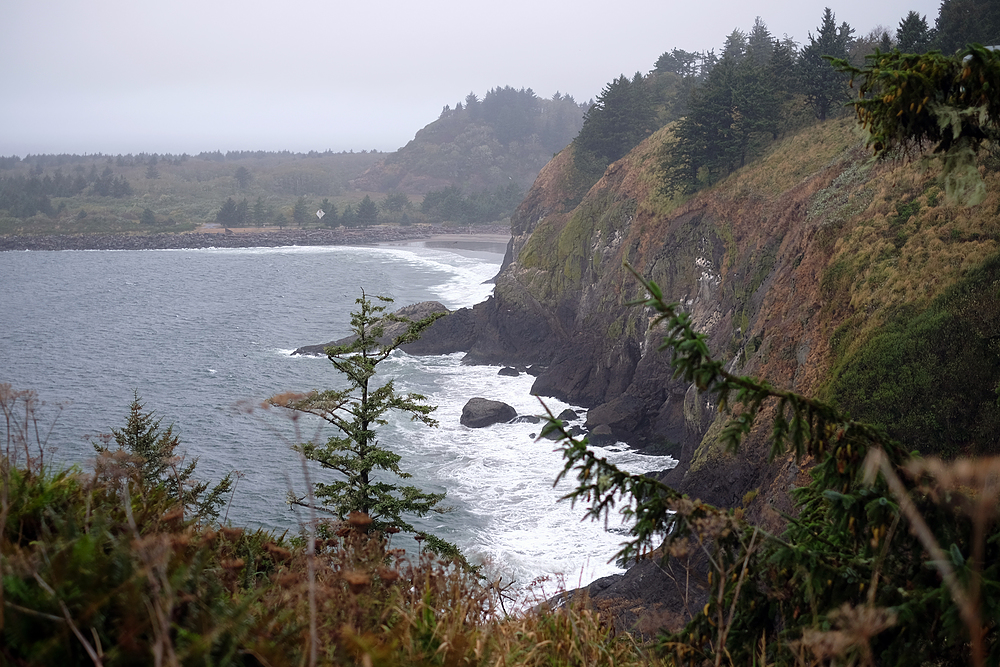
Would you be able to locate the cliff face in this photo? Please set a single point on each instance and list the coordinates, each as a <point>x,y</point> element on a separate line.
<point>771,264</point>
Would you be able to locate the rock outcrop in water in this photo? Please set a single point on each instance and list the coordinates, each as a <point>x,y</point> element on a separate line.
<point>482,412</point>
<point>452,333</point>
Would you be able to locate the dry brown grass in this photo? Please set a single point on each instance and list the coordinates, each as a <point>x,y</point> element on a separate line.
<point>898,260</point>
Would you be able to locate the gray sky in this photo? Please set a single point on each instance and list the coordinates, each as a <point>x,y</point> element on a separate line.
<point>132,76</point>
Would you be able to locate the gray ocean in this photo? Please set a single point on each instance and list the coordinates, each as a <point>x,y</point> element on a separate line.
<point>202,334</point>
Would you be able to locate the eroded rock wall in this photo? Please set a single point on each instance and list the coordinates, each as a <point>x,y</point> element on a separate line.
<point>742,263</point>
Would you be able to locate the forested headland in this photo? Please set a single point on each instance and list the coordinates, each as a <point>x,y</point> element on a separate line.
<point>471,166</point>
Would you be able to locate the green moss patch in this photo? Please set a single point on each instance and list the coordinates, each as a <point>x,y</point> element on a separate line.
<point>931,378</point>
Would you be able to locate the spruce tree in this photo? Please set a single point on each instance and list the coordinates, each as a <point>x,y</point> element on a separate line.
<point>355,452</point>
<point>913,35</point>
<point>622,117</point>
<point>367,212</point>
<point>156,462</point>
<point>300,214</point>
<point>227,215</point>
<point>825,88</point>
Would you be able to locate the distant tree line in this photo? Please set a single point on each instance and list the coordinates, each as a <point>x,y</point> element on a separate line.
<point>24,196</point>
<point>452,205</point>
<point>729,107</point>
<point>446,205</point>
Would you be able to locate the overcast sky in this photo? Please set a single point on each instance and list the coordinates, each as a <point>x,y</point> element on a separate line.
<point>185,76</point>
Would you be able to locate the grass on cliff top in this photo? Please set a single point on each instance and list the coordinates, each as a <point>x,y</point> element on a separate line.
<point>909,244</point>
<point>789,161</point>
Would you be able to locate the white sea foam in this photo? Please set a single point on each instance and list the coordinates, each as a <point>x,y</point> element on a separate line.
<point>463,278</point>
<point>504,475</point>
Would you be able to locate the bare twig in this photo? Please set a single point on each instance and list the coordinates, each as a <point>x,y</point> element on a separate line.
<point>161,598</point>
<point>94,657</point>
<point>968,607</point>
<point>311,563</point>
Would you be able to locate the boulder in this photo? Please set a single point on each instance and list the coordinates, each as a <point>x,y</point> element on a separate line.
<point>624,415</point>
<point>455,332</point>
<point>507,371</point>
<point>527,419</point>
<point>601,435</point>
<point>568,415</point>
<point>480,412</point>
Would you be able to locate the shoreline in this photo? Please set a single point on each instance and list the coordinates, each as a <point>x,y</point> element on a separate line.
<point>489,236</point>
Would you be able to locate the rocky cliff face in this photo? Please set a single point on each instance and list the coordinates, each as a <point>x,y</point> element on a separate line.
<point>753,260</point>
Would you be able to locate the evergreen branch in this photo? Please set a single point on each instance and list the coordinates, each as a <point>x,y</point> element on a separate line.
<point>802,425</point>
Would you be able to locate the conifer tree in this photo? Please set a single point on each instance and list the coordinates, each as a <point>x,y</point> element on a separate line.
<point>156,462</point>
<point>623,116</point>
<point>913,35</point>
<point>301,211</point>
<point>825,88</point>
<point>367,212</point>
<point>227,215</point>
<point>356,412</point>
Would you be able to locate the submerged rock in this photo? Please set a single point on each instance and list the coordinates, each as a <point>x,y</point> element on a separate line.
<point>568,415</point>
<point>527,419</point>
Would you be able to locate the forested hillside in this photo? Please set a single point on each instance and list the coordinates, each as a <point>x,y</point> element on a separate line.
<point>470,166</point>
<point>475,162</point>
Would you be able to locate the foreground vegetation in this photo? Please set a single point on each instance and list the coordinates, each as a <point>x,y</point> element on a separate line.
<point>106,568</point>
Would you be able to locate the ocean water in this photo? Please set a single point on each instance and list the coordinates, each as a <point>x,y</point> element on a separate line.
<point>204,334</point>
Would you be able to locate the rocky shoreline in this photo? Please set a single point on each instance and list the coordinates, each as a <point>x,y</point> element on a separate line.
<point>244,239</point>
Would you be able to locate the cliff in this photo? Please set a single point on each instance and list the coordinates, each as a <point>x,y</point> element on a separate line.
<point>791,267</point>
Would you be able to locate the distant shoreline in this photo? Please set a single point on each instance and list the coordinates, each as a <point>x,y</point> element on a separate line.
<point>490,236</point>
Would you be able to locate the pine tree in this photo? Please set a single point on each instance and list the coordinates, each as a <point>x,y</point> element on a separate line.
<point>227,215</point>
<point>300,214</point>
<point>329,213</point>
<point>963,22</point>
<point>760,43</point>
<point>367,212</point>
<point>259,213</point>
<point>623,116</point>
<point>735,109</point>
<point>243,213</point>
<point>242,177</point>
<point>355,412</point>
